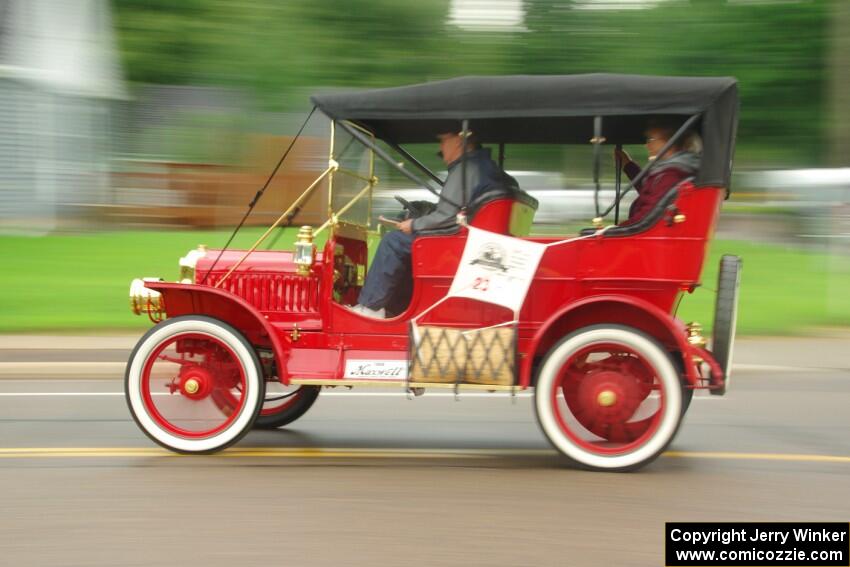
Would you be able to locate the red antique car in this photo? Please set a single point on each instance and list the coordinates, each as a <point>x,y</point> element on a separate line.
<point>249,338</point>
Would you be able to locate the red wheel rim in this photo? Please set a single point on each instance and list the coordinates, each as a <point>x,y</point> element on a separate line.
<point>193,385</point>
<point>278,403</point>
<point>608,399</point>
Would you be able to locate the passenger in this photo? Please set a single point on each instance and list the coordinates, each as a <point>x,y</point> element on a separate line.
<point>679,162</point>
<point>389,283</point>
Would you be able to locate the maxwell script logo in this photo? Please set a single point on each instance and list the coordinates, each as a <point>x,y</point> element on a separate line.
<point>376,369</point>
<point>491,256</point>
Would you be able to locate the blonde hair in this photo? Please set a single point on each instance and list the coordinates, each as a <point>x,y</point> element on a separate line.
<point>692,142</point>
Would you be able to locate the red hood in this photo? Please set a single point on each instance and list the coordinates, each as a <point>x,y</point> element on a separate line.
<point>265,261</point>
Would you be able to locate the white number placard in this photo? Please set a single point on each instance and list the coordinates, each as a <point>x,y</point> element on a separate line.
<point>496,269</point>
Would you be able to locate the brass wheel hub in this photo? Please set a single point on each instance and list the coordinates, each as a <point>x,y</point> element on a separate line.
<point>191,386</point>
<point>606,398</point>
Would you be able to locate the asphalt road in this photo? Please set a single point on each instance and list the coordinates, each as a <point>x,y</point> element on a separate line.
<point>374,478</point>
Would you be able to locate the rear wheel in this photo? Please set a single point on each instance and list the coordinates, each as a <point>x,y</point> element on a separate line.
<point>687,397</point>
<point>193,384</point>
<point>609,398</point>
<point>726,317</point>
<point>283,404</point>
<point>687,389</point>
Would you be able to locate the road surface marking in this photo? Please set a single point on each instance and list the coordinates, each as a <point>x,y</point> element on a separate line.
<point>64,342</point>
<point>759,456</point>
<point>366,453</point>
<point>281,452</point>
<point>274,395</point>
<point>58,394</point>
<point>64,368</point>
<point>781,368</point>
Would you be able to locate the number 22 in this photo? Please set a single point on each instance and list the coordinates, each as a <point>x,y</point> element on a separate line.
<point>481,284</point>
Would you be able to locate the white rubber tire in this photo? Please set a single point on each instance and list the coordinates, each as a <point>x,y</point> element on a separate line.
<point>254,384</point>
<point>652,353</point>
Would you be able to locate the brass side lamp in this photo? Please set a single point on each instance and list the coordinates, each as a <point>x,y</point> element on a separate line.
<point>305,252</point>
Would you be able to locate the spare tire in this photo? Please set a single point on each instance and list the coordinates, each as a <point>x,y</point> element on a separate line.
<point>725,316</point>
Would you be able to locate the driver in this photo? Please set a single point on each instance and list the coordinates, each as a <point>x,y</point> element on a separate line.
<point>678,163</point>
<point>389,283</point>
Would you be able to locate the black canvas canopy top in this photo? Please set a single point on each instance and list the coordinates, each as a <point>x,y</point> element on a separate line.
<point>549,109</point>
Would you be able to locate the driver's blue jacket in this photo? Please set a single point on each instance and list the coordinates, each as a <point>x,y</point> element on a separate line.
<point>481,173</point>
<point>389,282</point>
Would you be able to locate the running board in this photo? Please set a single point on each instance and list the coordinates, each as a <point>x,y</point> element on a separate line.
<point>401,384</point>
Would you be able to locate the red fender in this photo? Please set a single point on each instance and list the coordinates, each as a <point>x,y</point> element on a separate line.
<point>589,310</point>
<point>189,299</point>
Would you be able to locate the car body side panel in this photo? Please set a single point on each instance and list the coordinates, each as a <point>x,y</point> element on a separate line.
<point>612,309</point>
<point>632,280</point>
<point>188,299</point>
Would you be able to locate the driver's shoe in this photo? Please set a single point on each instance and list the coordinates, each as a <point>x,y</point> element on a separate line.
<point>366,312</point>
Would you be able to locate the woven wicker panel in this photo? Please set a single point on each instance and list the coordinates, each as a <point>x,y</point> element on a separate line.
<point>445,354</point>
<point>491,356</point>
<point>440,355</point>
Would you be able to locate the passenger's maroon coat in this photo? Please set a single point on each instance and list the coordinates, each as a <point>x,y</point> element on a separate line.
<point>658,181</point>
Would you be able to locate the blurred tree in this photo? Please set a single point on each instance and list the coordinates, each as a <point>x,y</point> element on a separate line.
<point>274,48</point>
<point>839,86</point>
<point>162,41</point>
<point>778,51</point>
<point>375,42</point>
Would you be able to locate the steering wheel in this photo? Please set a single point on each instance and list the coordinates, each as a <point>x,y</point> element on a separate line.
<point>407,208</point>
<point>414,209</point>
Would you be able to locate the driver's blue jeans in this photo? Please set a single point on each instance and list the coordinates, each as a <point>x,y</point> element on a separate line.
<point>389,281</point>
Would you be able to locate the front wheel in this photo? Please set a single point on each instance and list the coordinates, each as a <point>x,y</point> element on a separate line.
<point>609,398</point>
<point>193,384</point>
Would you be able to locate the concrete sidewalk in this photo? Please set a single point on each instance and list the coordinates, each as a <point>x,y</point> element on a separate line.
<point>96,356</point>
<point>37,357</point>
<point>123,341</point>
<point>830,351</point>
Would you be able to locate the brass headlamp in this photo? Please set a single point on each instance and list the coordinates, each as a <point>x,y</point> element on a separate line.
<point>144,300</point>
<point>304,250</point>
<point>188,263</point>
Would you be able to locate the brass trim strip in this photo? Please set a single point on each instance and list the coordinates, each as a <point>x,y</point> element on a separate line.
<point>354,174</point>
<point>280,219</point>
<point>335,217</point>
<point>350,230</point>
<point>372,182</point>
<point>331,160</point>
<point>370,179</point>
<point>361,128</point>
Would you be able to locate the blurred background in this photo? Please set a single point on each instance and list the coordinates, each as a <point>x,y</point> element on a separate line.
<point>133,130</point>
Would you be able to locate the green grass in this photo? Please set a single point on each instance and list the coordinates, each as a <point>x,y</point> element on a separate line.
<point>784,291</point>
<point>79,283</point>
